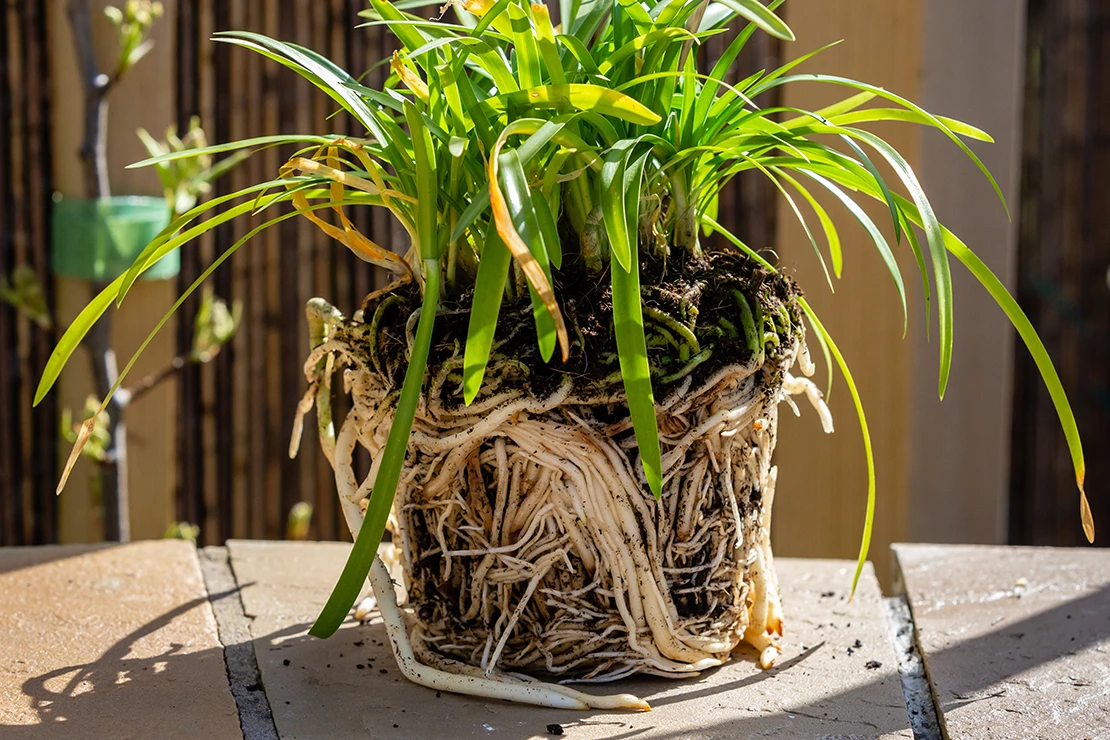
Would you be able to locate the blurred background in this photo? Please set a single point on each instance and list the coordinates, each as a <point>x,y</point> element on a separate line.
<point>213,398</point>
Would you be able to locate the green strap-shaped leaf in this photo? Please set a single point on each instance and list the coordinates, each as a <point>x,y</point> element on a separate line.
<point>549,231</point>
<point>827,225</point>
<point>720,71</point>
<point>71,340</point>
<point>578,97</point>
<point>549,49</point>
<point>519,197</point>
<point>869,516</point>
<point>489,289</point>
<point>527,53</point>
<point>614,165</point>
<point>333,83</point>
<point>587,17</point>
<point>493,64</point>
<point>757,13</point>
<point>389,472</point>
<point>620,199</point>
<point>410,36</point>
<point>1044,364</point>
<point>830,111</point>
<point>482,124</point>
<point>870,115</point>
<point>393,456</point>
<point>199,281</point>
<point>172,237</point>
<point>581,54</point>
<point>933,237</point>
<point>659,35</point>
<point>91,313</point>
<point>636,13</point>
<point>1005,301</point>
<point>628,321</point>
<point>919,257</point>
<point>257,143</point>
<point>877,239</point>
<point>427,187</point>
<point>880,92</point>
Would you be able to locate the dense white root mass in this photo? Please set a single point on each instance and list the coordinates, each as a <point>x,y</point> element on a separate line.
<point>530,541</point>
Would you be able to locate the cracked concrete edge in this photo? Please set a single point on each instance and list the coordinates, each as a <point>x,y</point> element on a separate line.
<point>255,717</point>
<point>913,668</point>
<point>916,690</point>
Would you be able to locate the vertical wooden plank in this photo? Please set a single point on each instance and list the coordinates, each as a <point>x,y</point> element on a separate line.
<point>27,462</point>
<point>251,100</point>
<point>295,273</point>
<point>189,498</point>
<point>309,252</point>
<point>959,459</point>
<point>9,454</point>
<point>232,445</point>
<point>42,422</point>
<point>820,502</point>
<point>24,224</point>
<point>219,412</point>
<point>270,295</point>
<point>1063,269</point>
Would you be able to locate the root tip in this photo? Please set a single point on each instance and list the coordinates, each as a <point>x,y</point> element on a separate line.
<point>768,657</point>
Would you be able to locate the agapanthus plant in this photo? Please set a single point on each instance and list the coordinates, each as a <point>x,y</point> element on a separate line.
<point>565,390</point>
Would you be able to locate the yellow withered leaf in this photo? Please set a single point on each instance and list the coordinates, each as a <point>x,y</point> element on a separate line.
<point>410,79</point>
<point>349,236</point>
<point>528,264</point>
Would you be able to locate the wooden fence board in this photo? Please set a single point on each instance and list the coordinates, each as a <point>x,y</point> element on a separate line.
<point>1064,269</point>
<point>28,437</point>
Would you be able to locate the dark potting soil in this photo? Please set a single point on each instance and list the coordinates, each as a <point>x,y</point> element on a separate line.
<point>696,291</point>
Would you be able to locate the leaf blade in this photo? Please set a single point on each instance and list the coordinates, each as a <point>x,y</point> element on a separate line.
<point>757,13</point>
<point>628,321</point>
<point>369,536</point>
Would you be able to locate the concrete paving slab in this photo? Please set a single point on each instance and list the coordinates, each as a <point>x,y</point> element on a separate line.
<point>826,685</point>
<point>255,718</point>
<point>110,642</point>
<point>1016,640</point>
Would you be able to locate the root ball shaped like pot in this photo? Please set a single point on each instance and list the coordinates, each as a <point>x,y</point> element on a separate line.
<point>529,538</point>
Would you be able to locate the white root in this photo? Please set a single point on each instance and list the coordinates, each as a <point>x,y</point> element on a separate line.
<point>795,386</point>
<point>537,693</point>
<point>529,541</point>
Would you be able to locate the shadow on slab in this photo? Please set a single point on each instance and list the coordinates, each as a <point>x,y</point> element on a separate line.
<point>117,695</point>
<point>17,558</point>
<point>307,682</point>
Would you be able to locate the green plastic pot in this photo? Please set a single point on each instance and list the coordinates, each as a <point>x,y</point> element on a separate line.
<point>99,239</point>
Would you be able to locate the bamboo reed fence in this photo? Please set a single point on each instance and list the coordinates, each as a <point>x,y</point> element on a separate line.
<point>28,439</point>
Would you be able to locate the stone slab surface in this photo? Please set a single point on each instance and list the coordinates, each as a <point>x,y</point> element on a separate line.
<point>1016,640</point>
<point>349,686</point>
<point>110,642</point>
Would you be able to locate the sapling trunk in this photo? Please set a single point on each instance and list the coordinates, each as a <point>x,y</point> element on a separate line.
<point>112,470</point>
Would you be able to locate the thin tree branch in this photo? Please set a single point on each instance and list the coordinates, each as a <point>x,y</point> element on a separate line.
<point>94,145</point>
<point>175,366</point>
